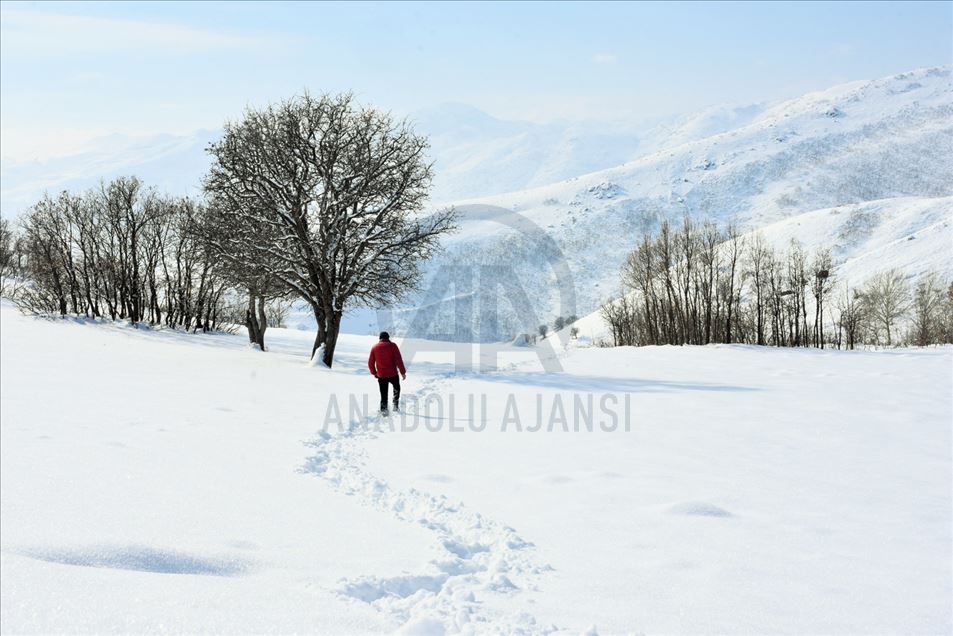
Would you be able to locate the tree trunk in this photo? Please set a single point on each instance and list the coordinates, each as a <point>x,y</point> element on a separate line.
<point>256,334</point>
<point>322,328</point>
<point>331,340</point>
<point>262,322</point>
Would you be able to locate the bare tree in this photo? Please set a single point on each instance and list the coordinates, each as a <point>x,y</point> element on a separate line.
<point>797,283</point>
<point>48,261</point>
<point>928,307</point>
<point>622,316</point>
<point>10,260</point>
<point>946,313</point>
<point>735,247</point>
<point>822,267</point>
<point>759,257</point>
<point>885,299</point>
<point>329,197</point>
<point>708,277</point>
<point>851,317</point>
<point>246,268</point>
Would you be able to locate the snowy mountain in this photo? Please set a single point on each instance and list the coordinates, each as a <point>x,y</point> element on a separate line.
<point>172,163</point>
<point>888,141</point>
<point>474,153</point>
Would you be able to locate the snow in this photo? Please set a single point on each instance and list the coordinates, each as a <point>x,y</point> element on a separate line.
<point>154,481</point>
<point>758,491</point>
<point>167,465</point>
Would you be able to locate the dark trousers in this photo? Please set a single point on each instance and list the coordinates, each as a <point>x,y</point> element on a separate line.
<point>382,383</point>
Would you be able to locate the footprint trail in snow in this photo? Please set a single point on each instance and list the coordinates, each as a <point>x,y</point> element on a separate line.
<point>483,557</point>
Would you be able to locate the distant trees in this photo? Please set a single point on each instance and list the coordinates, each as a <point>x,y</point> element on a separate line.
<point>885,299</point>
<point>822,266</point>
<point>120,252</point>
<point>323,198</point>
<point>931,310</point>
<point>687,282</point>
<point>697,284</point>
<point>851,318</point>
<point>561,322</point>
<point>626,322</point>
<point>10,258</point>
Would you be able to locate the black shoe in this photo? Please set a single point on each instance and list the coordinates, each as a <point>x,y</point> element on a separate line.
<point>384,413</point>
<point>396,407</point>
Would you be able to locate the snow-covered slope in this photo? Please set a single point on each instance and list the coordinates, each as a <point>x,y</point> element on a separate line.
<point>860,142</point>
<point>478,155</point>
<point>158,482</point>
<point>474,153</point>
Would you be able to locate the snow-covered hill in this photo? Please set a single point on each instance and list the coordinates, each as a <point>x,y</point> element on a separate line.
<point>474,153</point>
<point>881,140</point>
<point>160,482</point>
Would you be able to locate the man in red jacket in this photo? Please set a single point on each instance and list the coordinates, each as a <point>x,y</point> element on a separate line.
<point>384,363</point>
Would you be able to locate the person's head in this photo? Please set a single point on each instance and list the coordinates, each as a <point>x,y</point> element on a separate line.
<point>385,335</point>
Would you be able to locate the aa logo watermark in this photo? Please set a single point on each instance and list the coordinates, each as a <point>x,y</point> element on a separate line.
<point>479,297</point>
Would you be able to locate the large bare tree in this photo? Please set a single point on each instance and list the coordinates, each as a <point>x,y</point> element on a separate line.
<point>328,197</point>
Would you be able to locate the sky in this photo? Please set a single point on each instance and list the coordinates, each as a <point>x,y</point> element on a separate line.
<point>73,72</point>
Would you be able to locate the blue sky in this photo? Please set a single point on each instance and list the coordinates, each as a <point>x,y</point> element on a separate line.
<point>72,72</point>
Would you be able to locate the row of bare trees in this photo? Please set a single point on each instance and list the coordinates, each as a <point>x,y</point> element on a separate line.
<point>118,252</point>
<point>697,284</point>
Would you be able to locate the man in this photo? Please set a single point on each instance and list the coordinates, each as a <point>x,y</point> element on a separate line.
<point>384,363</point>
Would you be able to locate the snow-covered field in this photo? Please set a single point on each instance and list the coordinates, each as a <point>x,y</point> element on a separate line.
<point>159,482</point>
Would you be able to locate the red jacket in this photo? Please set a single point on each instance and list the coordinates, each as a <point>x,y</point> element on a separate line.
<point>385,360</point>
